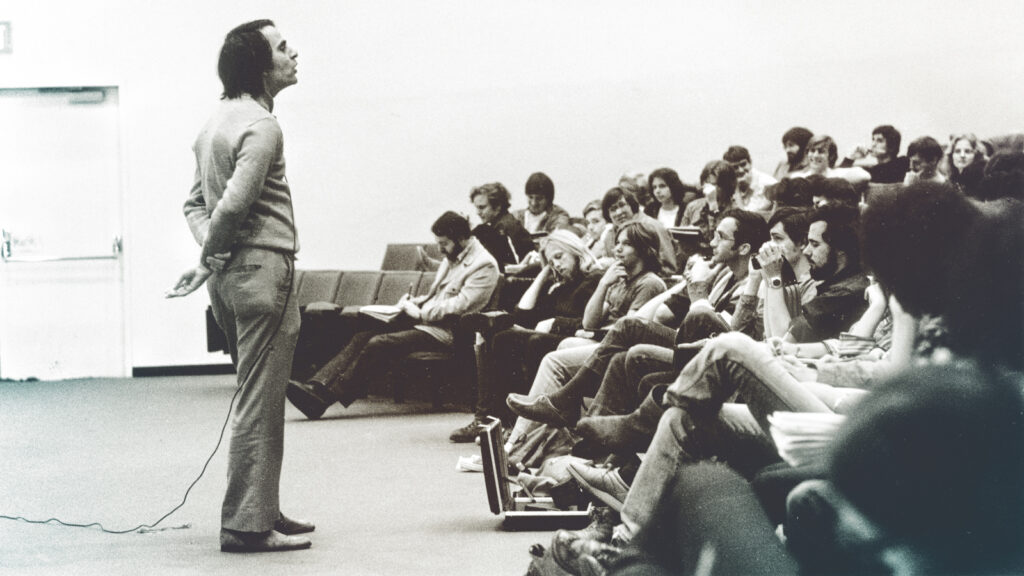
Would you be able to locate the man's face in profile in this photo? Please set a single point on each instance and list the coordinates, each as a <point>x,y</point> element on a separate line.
<point>450,248</point>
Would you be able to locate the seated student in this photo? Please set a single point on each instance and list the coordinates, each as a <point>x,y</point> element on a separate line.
<point>711,288</point>
<point>792,192</point>
<point>512,242</point>
<point>794,142</point>
<point>750,183</point>
<point>635,183</point>
<point>1003,180</point>
<point>596,226</point>
<point>929,223</point>
<point>623,289</point>
<point>550,310</point>
<point>464,284</point>
<point>821,160</point>
<point>781,303</point>
<point>881,159</point>
<point>620,208</point>
<point>966,163</point>
<point>541,214</point>
<point>925,154</point>
<point>832,191</point>
<point>718,183</point>
<point>670,197</point>
<point>924,479</point>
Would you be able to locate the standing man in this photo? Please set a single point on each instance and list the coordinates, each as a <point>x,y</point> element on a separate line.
<point>240,212</point>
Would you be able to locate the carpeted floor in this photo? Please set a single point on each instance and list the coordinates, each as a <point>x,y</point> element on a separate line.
<point>378,478</point>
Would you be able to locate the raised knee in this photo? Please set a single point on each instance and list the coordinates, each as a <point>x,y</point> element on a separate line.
<point>723,345</point>
<point>625,326</point>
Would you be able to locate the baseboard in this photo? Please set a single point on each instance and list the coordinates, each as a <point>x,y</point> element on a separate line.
<point>189,370</point>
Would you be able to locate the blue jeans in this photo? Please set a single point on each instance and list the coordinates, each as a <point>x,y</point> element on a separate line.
<point>625,333</point>
<point>728,364</point>
<point>713,525</point>
<point>253,302</point>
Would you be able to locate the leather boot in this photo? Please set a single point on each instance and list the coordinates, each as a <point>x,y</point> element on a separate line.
<point>630,433</point>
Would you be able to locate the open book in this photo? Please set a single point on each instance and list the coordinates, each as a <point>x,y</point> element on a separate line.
<point>382,312</point>
<point>804,437</point>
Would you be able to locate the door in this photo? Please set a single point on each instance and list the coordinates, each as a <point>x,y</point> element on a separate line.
<point>62,312</point>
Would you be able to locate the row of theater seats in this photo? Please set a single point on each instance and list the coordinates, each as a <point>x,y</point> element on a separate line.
<point>329,301</point>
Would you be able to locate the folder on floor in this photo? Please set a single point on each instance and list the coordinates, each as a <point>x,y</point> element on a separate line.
<point>522,510</point>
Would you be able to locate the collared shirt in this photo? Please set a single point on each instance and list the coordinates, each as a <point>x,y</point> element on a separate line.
<point>754,199</point>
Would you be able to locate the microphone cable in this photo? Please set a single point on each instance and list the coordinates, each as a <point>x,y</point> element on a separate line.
<point>144,528</point>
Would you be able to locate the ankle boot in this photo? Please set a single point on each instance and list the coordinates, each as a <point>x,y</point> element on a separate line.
<point>629,433</point>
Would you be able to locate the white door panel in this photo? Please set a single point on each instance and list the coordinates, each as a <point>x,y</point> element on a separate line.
<point>61,276</point>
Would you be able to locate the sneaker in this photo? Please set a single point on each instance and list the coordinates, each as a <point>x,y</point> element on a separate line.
<point>467,433</point>
<point>469,464</point>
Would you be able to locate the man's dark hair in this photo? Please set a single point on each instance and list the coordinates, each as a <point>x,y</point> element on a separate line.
<point>451,225</point>
<point>244,57</point>
<point>612,197</point>
<point>750,228</point>
<point>841,230</point>
<point>985,280</point>
<point>794,221</point>
<point>497,195</point>
<point>644,239</point>
<point>671,179</point>
<point>797,135</point>
<point>908,237</point>
<point>838,191</point>
<point>1004,177</point>
<point>736,154</point>
<point>794,192</point>
<point>926,148</point>
<point>539,184</point>
<point>892,139</point>
<point>932,457</point>
<point>725,179</point>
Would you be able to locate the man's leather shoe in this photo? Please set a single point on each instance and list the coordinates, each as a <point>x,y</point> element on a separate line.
<point>605,484</point>
<point>467,433</point>
<point>291,526</point>
<point>272,541</point>
<point>307,399</point>
<point>539,409</point>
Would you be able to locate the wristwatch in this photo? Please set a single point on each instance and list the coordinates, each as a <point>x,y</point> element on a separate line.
<point>775,282</point>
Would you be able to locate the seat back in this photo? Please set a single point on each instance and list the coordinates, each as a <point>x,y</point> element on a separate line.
<point>317,286</point>
<point>396,283</point>
<point>401,257</point>
<point>357,288</point>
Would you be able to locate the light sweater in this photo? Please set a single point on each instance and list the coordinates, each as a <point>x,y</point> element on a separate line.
<point>240,196</point>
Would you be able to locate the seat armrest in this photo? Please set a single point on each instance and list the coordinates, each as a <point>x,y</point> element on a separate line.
<point>322,308</point>
<point>487,322</point>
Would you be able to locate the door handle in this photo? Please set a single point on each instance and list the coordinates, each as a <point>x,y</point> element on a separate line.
<point>5,253</point>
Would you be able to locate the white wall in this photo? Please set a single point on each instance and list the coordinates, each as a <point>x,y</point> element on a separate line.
<point>403,106</point>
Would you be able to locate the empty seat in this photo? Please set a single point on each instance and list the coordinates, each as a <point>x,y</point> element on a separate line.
<point>317,286</point>
<point>395,284</point>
